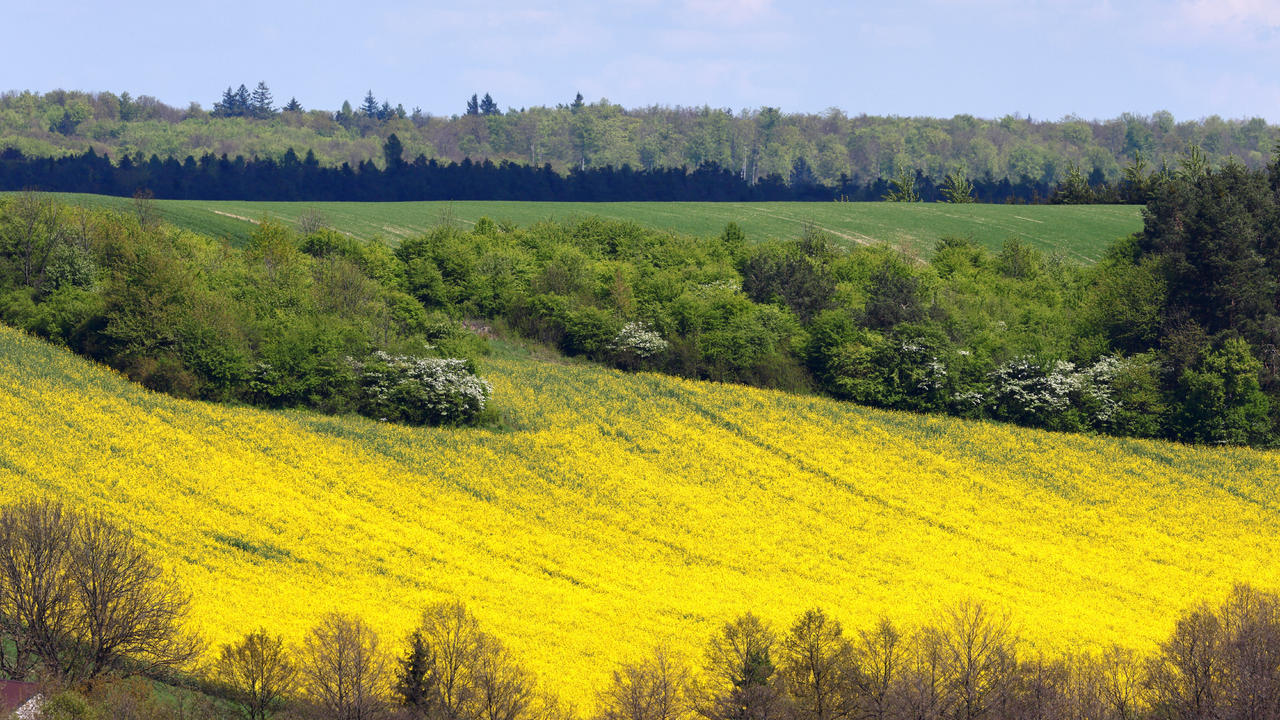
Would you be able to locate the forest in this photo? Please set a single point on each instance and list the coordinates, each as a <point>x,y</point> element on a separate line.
<point>832,149</point>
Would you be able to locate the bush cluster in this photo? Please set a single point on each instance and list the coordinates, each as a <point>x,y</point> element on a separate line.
<point>284,322</point>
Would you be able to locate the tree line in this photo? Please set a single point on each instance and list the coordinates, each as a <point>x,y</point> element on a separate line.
<point>754,143</point>
<point>86,612</point>
<point>1172,335</point>
<point>397,179</point>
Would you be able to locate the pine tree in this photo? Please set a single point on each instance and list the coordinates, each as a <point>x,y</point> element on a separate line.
<point>261,103</point>
<point>416,678</point>
<point>242,103</point>
<point>473,105</point>
<point>957,188</point>
<point>293,106</point>
<point>223,107</point>
<point>903,188</point>
<point>488,106</point>
<point>577,103</point>
<point>370,106</point>
<point>385,111</point>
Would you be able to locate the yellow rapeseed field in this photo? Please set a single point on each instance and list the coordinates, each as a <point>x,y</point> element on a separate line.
<point>619,511</point>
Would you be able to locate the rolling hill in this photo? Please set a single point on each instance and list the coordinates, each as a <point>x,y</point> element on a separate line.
<point>614,511</point>
<point>1078,232</point>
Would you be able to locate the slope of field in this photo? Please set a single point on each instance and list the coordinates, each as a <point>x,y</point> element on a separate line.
<point>1079,232</point>
<point>620,510</point>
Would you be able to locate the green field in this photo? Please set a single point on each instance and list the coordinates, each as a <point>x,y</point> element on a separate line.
<point>1079,232</point>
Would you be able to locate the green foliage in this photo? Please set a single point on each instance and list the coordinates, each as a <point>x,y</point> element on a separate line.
<point>903,187</point>
<point>274,325</point>
<point>1224,401</point>
<point>760,142</point>
<point>1167,336</point>
<point>956,188</point>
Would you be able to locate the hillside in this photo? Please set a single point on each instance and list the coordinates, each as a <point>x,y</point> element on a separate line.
<point>757,142</point>
<point>621,510</point>
<point>1078,232</point>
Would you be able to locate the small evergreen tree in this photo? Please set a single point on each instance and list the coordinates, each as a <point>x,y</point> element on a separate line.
<point>473,105</point>
<point>1074,190</point>
<point>956,188</point>
<point>243,102</point>
<point>370,106</point>
<point>292,106</point>
<point>223,107</point>
<point>488,106</point>
<point>903,188</point>
<point>260,103</point>
<point>415,676</point>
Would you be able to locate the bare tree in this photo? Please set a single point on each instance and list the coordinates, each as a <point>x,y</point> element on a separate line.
<point>652,688</point>
<point>1184,681</point>
<point>503,689</point>
<point>880,658</point>
<point>924,694</point>
<point>1251,650</point>
<point>79,596</point>
<point>1120,682</point>
<point>817,665</point>
<point>128,610</point>
<point>454,640</point>
<point>36,601</point>
<point>1222,663</point>
<point>981,657</point>
<point>144,206</point>
<point>343,670</point>
<point>259,669</point>
<point>312,221</point>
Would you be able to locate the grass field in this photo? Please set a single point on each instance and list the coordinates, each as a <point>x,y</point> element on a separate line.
<point>616,511</point>
<point>1080,233</point>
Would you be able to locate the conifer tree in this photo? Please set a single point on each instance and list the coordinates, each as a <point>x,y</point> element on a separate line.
<point>370,106</point>
<point>242,103</point>
<point>473,105</point>
<point>261,103</point>
<point>488,106</point>
<point>416,677</point>
<point>292,106</point>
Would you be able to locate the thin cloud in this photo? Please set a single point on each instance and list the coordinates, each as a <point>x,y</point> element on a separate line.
<point>732,11</point>
<point>1238,14</point>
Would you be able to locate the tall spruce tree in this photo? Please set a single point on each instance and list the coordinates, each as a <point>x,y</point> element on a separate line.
<point>488,106</point>
<point>370,106</point>
<point>223,107</point>
<point>473,105</point>
<point>260,103</point>
<point>415,676</point>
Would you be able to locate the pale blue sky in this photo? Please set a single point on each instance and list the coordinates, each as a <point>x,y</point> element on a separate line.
<point>1045,58</point>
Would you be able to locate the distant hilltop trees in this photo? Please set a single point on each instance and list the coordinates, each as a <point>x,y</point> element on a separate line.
<point>829,148</point>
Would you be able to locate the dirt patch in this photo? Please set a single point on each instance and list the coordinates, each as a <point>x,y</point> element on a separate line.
<point>236,217</point>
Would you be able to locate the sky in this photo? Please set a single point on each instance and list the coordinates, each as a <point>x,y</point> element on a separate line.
<point>1046,59</point>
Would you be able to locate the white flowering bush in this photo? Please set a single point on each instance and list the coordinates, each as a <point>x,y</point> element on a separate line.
<point>1059,396</point>
<point>637,341</point>
<point>421,390</point>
